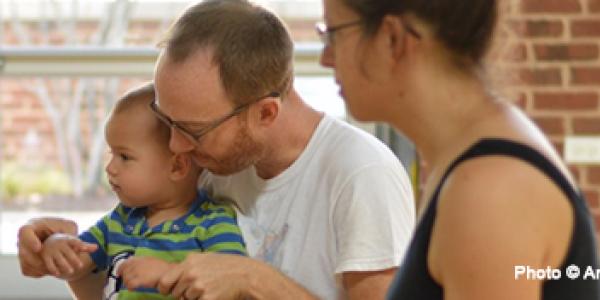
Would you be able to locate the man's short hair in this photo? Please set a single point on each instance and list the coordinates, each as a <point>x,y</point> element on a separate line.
<point>250,45</point>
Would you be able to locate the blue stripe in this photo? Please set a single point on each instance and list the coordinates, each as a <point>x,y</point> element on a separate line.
<point>98,256</point>
<point>199,213</point>
<point>120,238</point>
<point>103,227</point>
<point>146,290</point>
<point>88,237</point>
<point>116,217</point>
<point>232,252</point>
<point>154,244</point>
<point>223,238</point>
<point>218,220</point>
<point>166,245</point>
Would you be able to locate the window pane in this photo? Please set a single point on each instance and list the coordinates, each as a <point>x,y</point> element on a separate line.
<point>53,150</point>
<point>321,93</point>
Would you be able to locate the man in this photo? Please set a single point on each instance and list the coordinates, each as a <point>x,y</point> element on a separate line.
<point>325,208</point>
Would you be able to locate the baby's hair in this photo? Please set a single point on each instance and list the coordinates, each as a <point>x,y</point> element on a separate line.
<point>133,97</point>
<point>141,97</point>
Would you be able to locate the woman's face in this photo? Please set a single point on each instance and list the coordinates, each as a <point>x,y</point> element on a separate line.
<point>341,54</point>
<point>356,62</point>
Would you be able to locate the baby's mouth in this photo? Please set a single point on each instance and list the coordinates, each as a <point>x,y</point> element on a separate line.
<point>114,186</point>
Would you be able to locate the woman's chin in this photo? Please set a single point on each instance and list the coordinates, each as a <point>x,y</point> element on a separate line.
<point>361,115</point>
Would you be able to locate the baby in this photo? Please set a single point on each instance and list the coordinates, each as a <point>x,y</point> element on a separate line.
<point>161,217</point>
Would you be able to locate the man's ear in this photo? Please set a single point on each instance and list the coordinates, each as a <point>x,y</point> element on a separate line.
<point>181,165</point>
<point>266,111</point>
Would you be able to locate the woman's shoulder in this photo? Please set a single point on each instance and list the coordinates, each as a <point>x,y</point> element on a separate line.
<point>505,209</point>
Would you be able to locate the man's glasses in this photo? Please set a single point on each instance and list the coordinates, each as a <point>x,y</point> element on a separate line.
<point>194,131</point>
<point>327,33</point>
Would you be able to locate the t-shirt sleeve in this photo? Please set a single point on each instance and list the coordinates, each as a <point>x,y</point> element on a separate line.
<point>98,234</point>
<point>219,231</point>
<point>373,219</point>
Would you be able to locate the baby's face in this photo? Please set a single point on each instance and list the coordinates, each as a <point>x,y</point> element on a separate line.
<point>139,165</point>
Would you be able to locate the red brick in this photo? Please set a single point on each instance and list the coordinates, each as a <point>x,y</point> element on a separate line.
<point>540,77</point>
<point>550,6</point>
<point>565,52</point>
<point>17,132</point>
<point>559,146</point>
<point>585,75</point>
<point>596,218</point>
<point>576,172</point>
<point>565,101</point>
<point>592,198</point>
<point>585,28</point>
<point>515,53</point>
<point>593,174</point>
<point>551,125</point>
<point>26,121</point>
<point>521,101</point>
<point>537,28</point>
<point>582,125</point>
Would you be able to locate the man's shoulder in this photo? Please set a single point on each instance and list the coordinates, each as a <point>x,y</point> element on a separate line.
<point>345,142</point>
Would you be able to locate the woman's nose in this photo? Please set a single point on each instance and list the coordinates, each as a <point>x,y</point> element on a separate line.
<point>327,58</point>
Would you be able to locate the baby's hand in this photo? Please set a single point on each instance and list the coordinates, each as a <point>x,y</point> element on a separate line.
<point>61,254</point>
<point>139,272</point>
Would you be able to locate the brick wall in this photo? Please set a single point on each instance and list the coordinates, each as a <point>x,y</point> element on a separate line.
<point>551,62</point>
<point>548,51</point>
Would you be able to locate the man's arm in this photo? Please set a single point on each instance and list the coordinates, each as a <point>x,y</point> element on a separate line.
<point>88,287</point>
<point>373,218</point>
<point>368,285</point>
<point>226,276</point>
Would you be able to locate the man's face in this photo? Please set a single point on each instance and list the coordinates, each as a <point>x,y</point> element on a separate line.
<point>191,92</point>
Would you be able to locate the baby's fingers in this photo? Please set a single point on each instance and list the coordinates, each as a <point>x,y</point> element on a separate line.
<point>63,265</point>
<point>82,246</point>
<point>124,268</point>
<point>72,257</point>
<point>49,262</point>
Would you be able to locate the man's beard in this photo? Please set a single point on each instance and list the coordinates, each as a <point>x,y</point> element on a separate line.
<point>244,153</point>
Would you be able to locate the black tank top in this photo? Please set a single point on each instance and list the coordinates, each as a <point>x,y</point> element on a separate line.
<point>413,280</point>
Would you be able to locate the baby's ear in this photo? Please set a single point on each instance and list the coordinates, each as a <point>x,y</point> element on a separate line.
<point>181,164</point>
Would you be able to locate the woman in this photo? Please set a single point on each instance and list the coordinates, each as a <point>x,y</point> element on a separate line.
<point>501,217</point>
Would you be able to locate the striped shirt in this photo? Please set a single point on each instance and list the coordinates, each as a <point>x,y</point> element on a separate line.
<point>124,232</point>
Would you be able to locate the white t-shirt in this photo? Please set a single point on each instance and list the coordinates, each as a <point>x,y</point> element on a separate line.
<point>346,204</point>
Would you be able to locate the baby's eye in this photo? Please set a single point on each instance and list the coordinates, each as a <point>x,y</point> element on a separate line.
<point>124,157</point>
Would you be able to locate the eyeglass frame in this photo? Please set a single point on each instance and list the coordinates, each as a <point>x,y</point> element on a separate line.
<point>194,137</point>
<point>326,33</point>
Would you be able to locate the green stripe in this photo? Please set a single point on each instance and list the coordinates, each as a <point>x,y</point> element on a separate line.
<point>131,295</point>
<point>114,249</point>
<point>220,229</point>
<point>172,237</point>
<point>138,227</point>
<point>166,226</point>
<point>99,236</point>
<point>193,220</point>
<point>121,212</point>
<point>114,226</point>
<point>229,246</point>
